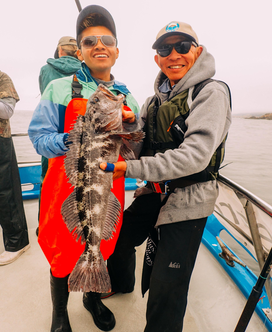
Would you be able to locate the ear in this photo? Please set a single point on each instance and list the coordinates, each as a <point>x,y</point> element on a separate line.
<point>79,55</point>
<point>61,52</point>
<point>157,60</point>
<point>199,50</point>
<point>117,52</point>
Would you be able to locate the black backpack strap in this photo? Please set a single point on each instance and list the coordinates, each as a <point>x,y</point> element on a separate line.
<point>198,87</point>
<point>226,87</point>
<point>76,88</point>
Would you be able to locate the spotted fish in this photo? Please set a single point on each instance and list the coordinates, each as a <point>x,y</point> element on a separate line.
<point>91,212</point>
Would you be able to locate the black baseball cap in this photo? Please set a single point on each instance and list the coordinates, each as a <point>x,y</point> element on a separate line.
<point>101,17</point>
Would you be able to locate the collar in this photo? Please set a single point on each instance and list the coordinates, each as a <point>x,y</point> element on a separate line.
<point>166,87</point>
<point>84,75</point>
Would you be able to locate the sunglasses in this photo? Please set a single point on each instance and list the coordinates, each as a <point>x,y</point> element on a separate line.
<point>181,47</point>
<point>91,41</point>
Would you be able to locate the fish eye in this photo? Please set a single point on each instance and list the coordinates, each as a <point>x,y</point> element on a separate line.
<point>94,100</point>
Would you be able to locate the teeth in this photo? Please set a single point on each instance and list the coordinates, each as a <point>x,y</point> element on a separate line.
<point>175,67</point>
<point>100,56</point>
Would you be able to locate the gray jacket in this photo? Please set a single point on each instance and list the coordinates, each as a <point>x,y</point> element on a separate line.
<point>208,123</point>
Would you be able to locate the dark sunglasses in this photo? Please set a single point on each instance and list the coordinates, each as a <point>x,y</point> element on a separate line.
<point>91,41</point>
<point>181,47</point>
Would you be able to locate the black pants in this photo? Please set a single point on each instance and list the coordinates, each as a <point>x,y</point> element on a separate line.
<point>12,215</point>
<point>174,262</point>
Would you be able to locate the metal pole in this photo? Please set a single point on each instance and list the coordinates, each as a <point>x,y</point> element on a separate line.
<point>78,5</point>
<point>252,222</point>
<point>254,296</point>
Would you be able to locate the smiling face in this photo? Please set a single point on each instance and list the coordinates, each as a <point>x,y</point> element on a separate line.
<point>99,58</point>
<point>176,65</point>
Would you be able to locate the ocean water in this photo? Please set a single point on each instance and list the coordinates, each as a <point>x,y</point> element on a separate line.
<point>248,157</point>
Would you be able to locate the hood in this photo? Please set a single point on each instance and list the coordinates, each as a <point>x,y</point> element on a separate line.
<point>66,65</point>
<point>203,68</point>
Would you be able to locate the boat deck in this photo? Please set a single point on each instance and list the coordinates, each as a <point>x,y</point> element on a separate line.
<point>25,300</point>
<point>214,303</point>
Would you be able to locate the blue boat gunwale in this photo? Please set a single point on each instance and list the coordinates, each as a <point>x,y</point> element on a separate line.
<point>30,175</point>
<point>243,277</point>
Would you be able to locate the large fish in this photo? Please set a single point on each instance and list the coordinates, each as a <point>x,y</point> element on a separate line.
<point>92,211</point>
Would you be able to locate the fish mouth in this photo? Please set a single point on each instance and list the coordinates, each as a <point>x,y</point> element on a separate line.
<point>109,94</point>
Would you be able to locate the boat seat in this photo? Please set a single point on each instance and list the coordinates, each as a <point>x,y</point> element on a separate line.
<point>30,181</point>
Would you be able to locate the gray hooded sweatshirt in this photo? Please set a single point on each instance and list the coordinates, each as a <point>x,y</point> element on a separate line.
<point>208,123</point>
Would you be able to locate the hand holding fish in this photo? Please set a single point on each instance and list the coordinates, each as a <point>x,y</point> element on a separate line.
<point>118,169</point>
<point>127,114</point>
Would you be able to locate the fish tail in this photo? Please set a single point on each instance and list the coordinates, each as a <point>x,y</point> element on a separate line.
<point>90,276</point>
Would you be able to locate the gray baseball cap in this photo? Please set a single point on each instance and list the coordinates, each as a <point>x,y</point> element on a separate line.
<point>66,40</point>
<point>175,28</point>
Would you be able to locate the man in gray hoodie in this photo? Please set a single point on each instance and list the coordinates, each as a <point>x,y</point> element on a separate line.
<point>186,124</point>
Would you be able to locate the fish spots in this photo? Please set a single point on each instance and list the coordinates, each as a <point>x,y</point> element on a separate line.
<point>81,164</point>
<point>96,209</point>
<point>80,176</point>
<point>80,206</point>
<point>97,145</point>
<point>92,164</point>
<point>96,231</point>
<point>98,188</point>
<point>93,252</point>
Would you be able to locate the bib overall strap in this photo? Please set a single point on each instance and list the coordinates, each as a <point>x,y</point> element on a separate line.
<point>76,88</point>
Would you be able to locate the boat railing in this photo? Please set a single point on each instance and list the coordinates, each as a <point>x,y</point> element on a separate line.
<point>248,201</point>
<point>246,194</point>
<point>19,134</point>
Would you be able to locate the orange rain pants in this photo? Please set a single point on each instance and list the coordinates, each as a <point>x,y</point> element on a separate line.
<point>59,246</point>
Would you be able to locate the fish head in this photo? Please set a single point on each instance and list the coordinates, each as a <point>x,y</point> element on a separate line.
<point>104,110</point>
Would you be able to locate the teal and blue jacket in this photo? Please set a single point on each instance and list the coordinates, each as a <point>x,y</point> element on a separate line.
<point>57,68</point>
<point>46,129</point>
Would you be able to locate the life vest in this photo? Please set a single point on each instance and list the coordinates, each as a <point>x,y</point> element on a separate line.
<point>59,246</point>
<point>165,127</point>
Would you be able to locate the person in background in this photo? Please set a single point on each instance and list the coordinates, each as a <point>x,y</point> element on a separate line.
<point>65,63</point>
<point>12,215</point>
<point>61,102</point>
<point>186,124</point>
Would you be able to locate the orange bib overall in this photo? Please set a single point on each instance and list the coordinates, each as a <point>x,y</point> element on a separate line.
<point>57,243</point>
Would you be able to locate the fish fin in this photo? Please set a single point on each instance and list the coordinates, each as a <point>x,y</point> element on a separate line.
<point>136,136</point>
<point>69,211</point>
<point>112,217</point>
<point>127,153</point>
<point>73,154</point>
<point>89,275</point>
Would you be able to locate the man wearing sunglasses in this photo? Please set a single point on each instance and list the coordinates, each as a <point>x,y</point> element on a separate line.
<point>61,102</point>
<point>186,123</point>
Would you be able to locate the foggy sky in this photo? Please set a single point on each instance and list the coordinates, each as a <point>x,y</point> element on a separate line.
<point>236,33</point>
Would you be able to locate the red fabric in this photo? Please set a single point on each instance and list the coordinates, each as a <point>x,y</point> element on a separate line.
<point>57,243</point>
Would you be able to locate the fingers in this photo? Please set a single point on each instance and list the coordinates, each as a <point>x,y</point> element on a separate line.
<point>127,114</point>
<point>108,167</point>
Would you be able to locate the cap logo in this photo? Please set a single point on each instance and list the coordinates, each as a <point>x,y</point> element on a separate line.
<point>172,27</point>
